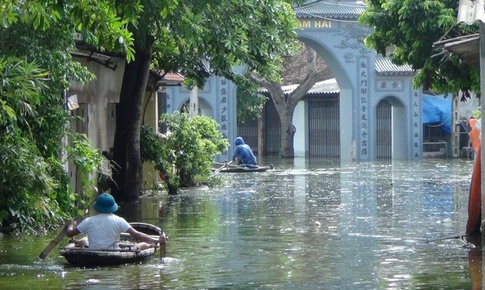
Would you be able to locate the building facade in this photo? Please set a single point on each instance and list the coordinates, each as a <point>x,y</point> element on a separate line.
<point>379,112</point>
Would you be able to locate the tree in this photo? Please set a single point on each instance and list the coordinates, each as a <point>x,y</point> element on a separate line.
<point>304,70</point>
<point>199,39</point>
<point>411,27</point>
<point>36,38</point>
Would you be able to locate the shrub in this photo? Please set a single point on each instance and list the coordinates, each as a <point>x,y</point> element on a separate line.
<point>188,151</point>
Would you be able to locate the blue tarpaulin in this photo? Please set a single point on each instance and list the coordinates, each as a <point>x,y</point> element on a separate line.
<point>437,111</point>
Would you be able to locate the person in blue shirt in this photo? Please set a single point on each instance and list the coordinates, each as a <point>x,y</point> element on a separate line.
<point>244,154</point>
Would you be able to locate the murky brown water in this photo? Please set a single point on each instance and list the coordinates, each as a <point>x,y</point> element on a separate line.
<point>318,225</point>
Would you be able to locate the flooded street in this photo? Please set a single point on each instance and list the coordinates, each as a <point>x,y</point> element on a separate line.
<point>302,225</point>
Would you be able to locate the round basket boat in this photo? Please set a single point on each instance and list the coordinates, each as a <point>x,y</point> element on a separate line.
<point>127,253</point>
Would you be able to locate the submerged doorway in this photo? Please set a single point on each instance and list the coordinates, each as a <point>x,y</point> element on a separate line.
<point>324,128</point>
<point>384,130</point>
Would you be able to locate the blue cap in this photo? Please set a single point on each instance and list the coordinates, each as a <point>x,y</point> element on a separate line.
<point>105,203</point>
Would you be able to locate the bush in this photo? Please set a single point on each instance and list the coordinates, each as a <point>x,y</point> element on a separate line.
<point>188,151</point>
<point>35,191</point>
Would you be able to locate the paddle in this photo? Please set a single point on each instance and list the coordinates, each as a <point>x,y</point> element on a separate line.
<point>447,238</point>
<point>55,241</point>
<point>220,168</point>
<point>163,250</point>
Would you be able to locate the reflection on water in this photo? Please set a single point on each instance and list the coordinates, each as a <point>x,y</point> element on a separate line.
<point>306,225</point>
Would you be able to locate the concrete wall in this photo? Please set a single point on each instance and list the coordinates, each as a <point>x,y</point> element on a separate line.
<point>99,98</point>
<point>98,95</point>
<point>217,99</point>
<point>300,122</point>
<point>97,106</point>
<point>150,113</point>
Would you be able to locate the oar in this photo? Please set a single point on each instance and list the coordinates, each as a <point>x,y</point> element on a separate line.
<point>220,168</point>
<point>163,250</point>
<point>447,238</point>
<point>53,243</point>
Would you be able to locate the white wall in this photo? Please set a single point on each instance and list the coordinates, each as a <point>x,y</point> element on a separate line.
<point>299,120</point>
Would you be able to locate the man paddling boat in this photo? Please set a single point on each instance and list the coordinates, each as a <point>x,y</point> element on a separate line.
<point>104,229</point>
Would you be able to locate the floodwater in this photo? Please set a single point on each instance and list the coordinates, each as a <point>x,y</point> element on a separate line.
<point>303,225</point>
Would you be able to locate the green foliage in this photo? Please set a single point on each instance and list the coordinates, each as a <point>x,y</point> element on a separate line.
<point>412,27</point>
<point>250,102</point>
<point>477,113</point>
<point>189,150</point>
<point>97,21</point>
<point>27,197</point>
<point>199,39</point>
<point>35,191</point>
<point>88,161</point>
<point>26,184</point>
<point>17,105</point>
<point>36,67</point>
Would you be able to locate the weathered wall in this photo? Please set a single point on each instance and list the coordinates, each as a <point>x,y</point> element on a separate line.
<point>97,100</point>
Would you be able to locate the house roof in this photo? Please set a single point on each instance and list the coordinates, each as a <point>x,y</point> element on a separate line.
<point>385,67</point>
<point>170,78</point>
<point>470,11</point>
<point>466,47</point>
<point>342,10</point>
<point>157,79</point>
<point>165,79</point>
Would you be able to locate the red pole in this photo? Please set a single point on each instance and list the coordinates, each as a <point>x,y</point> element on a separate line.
<point>475,199</point>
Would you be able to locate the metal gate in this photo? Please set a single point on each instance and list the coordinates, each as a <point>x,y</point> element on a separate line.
<point>272,129</point>
<point>324,128</point>
<point>248,130</point>
<point>384,130</point>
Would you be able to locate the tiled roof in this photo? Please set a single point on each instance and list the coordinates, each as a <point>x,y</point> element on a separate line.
<point>343,10</point>
<point>172,77</point>
<point>158,79</point>
<point>329,86</point>
<point>384,66</point>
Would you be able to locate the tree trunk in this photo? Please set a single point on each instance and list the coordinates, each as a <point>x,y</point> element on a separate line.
<point>288,130</point>
<point>128,174</point>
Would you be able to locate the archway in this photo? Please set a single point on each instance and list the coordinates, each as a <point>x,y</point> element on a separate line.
<point>345,103</point>
<point>384,130</point>
<point>364,79</point>
<point>391,127</point>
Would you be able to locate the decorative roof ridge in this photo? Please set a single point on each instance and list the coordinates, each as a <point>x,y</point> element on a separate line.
<point>384,66</point>
<point>331,10</point>
<point>328,86</point>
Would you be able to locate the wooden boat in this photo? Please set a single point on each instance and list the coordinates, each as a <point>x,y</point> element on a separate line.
<point>224,167</point>
<point>126,254</point>
<point>244,169</point>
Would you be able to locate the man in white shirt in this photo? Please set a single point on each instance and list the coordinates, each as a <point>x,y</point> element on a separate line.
<point>104,229</point>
